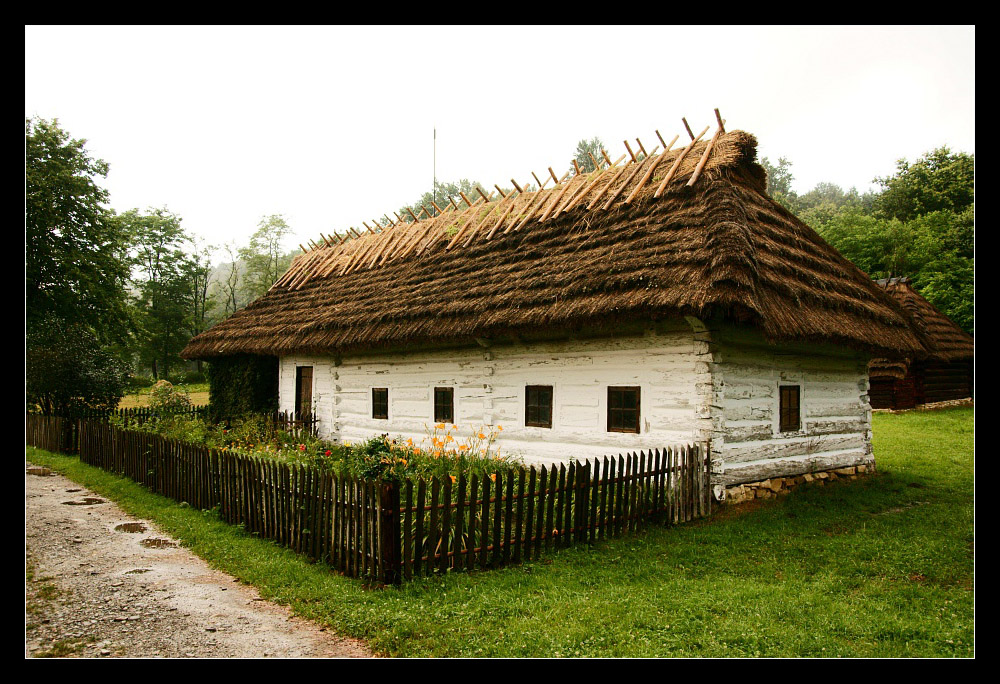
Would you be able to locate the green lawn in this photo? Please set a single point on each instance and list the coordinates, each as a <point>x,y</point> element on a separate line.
<point>881,567</point>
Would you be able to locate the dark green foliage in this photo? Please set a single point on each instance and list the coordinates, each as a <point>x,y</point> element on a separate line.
<point>76,266</point>
<point>587,151</point>
<point>921,225</point>
<point>66,369</point>
<point>242,384</point>
<point>940,180</point>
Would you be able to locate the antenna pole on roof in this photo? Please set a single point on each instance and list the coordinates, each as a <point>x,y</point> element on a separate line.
<point>687,127</point>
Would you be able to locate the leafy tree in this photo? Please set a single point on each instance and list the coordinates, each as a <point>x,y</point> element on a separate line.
<point>939,180</point>
<point>264,258</point>
<point>162,275</point>
<point>231,279</point>
<point>779,182</point>
<point>589,150</point>
<point>67,370</point>
<point>197,270</point>
<point>76,265</point>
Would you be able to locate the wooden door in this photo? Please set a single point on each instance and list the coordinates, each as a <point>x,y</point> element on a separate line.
<point>303,391</point>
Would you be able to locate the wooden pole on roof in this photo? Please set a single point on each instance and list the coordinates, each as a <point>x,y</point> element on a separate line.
<point>426,211</point>
<point>649,172</point>
<point>516,186</point>
<point>503,217</point>
<point>538,181</point>
<point>304,250</point>
<point>687,127</point>
<point>630,153</point>
<point>597,166</point>
<point>553,174</point>
<point>661,140</point>
<point>465,198</point>
<point>611,182</point>
<point>398,217</point>
<point>453,205</point>
<point>481,193</point>
<point>502,193</point>
<point>704,156</point>
<point>577,167</point>
<point>590,186</point>
<point>410,212</point>
<point>606,157</point>
<point>558,200</point>
<point>621,188</point>
<point>436,207</point>
<point>369,228</point>
<point>641,147</point>
<point>391,222</point>
<point>677,163</point>
<point>489,215</point>
<point>718,117</point>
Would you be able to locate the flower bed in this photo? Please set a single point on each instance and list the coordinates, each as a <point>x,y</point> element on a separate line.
<point>445,451</point>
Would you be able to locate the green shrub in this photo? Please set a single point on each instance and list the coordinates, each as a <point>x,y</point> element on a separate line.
<point>165,396</point>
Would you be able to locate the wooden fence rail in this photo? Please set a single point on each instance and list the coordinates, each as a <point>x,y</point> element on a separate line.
<point>390,531</point>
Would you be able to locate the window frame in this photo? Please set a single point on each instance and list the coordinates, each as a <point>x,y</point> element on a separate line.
<point>638,409</point>
<point>374,403</point>
<point>785,392</point>
<point>551,405</point>
<point>434,404</point>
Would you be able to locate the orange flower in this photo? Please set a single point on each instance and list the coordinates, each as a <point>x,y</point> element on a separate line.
<point>481,435</point>
<point>463,447</point>
<point>454,427</point>
<point>453,478</point>
<point>500,428</point>
<point>493,477</point>
<point>439,426</point>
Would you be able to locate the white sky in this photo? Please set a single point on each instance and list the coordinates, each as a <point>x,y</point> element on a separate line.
<point>330,126</point>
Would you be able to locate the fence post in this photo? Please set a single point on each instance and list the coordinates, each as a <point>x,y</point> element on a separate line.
<point>389,534</point>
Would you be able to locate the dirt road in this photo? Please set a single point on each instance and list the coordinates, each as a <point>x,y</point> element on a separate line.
<point>100,583</point>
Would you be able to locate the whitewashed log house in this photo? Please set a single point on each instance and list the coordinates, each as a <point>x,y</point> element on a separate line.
<point>662,301</point>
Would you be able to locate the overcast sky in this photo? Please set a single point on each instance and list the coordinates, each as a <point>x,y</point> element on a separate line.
<point>331,126</point>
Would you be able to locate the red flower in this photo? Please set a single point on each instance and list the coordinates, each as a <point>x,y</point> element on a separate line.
<point>302,447</point>
<point>327,453</point>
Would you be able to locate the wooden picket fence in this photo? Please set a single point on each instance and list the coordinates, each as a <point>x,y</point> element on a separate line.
<point>46,432</point>
<point>388,531</point>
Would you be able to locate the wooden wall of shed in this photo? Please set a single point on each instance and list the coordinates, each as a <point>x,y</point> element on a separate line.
<point>669,364</point>
<point>835,415</point>
<point>942,381</point>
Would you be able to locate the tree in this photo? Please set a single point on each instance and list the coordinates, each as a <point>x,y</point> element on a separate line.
<point>197,270</point>
<point>779,182</point>
<point>76,263</point>
<point>264,257</point>
<point>230,282</point>
<point>162,275</point>
<point>67,370</point>
<point>589,150</point>
<point>939,180</point>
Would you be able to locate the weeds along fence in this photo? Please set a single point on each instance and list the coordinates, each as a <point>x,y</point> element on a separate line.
<point>390,531</point>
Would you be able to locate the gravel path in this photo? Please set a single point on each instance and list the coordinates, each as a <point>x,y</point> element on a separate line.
<point>101,583</point>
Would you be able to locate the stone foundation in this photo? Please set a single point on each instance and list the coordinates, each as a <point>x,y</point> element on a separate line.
<point>777,486</point>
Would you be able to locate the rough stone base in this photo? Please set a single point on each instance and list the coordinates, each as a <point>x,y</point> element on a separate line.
<point>931,406</point>
<point>777,486</point>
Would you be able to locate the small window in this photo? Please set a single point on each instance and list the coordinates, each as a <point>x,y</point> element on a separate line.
<point>380,403</point>
<point>538,406</point>
<point>444,404</point>
<point>623,409</point>
<point>788,408</point>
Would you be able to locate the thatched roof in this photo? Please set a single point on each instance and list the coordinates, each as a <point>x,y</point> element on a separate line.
<point>605,247</point>
<point>942,339</point>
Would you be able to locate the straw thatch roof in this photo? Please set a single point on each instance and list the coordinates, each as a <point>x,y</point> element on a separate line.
<point>600,248</point>
<point>942,339</point>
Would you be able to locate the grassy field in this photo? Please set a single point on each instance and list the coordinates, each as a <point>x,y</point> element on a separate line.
<point>198,393</point>
<point>879,567</point>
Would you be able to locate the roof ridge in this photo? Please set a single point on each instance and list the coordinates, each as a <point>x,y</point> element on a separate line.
<point>519,208</point>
